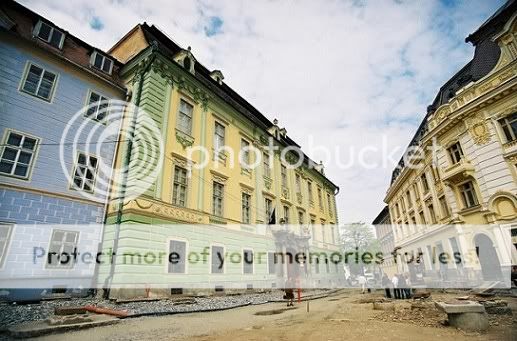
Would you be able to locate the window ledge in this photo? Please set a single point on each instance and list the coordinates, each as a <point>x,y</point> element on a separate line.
<point>470,210</point>
<point>184,139</point>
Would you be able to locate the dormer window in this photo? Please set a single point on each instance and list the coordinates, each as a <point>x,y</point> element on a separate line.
<point>49,34</point>
<point>217,76</point>
<point>101,62</point>
<point>186,59</point>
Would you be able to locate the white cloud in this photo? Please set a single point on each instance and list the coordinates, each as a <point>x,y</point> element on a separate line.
<point>345,74</point>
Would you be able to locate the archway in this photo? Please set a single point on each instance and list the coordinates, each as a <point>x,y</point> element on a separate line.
<point>490,265</point>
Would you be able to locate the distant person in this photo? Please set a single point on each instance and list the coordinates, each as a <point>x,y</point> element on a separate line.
<point>407,290</point>
<point>402,286</point>
<point>395,283</point>
<point>362,283</point>
<point>386,283</point>
<point>289,292</point>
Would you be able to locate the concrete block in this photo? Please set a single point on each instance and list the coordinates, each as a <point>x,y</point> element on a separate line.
<point>469,322</point>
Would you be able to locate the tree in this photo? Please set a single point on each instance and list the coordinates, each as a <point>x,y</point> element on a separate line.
<point>358,238</point>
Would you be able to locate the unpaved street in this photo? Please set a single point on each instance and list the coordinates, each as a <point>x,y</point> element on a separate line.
<point>339,317</point>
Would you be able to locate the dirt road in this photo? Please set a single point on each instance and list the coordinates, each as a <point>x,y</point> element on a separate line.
<point>338,317</point>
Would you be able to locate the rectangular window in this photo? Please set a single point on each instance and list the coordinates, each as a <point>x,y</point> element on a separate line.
<point>177,256</point>
<point>267,165</point>
<point>268,208</point>
<point>217,259</point>
<point>217,199</point>
<point>468,194</point>
<point>425,183</point>
<point>247,261</point>
<point>18,154</point>
<point>62,242</point>
<point>85,172</point>
<point>444,206</point>
<point>219,133</point>
<point>185,117</point>
<point>39,82</point>
<point>455,152</point>
<point>309,190</point>
<point>409,201</point>
<point>246,199</point>
<point>320,198</point>
<point>271,263</point>
<point>313,228</point>
<point>286,215</point>
<point>245,154</point>
<point>509,125</point>
<point>432,214</point>
<point>301,218</point>
<point>98,107</point>
<point>101,62</point>
<point>329,203</point>
<point>323,231</point>
<point>179,189</point>
<point>298,181</point>
<point>283,172</point>
<point>422,217</point>
<point>50,34</point>
<point>5,236</point>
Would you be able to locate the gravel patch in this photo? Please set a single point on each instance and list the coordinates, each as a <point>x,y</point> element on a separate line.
<point>11,313</point>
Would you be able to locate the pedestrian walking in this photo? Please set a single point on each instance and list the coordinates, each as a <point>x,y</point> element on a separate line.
<point>362,283</point>
<point>408,286</point>
<point>289,291</point>
<point>395,282</point>
<point>386,283</point>
<point>402,286</point>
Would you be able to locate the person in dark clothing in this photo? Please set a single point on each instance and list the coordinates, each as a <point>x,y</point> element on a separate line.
<point>386,284</point>
<point>289,292</point>
<point>407,290</point>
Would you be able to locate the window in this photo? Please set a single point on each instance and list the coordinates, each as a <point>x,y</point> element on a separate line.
<point>246,198</point>
<point>422,217</point>
<point>179,189</point>
<point>245,154</point>
<point>333,234</point>
<point>286,215</point>
<point>62,243</point>
<point>509,125</point>
<point>468,194</point>
<point>455,152</point>
<point>5,236</point>
<point>217,199</point>
<point>397,209</point>
<point>49,34</point>
<point>313,228</point>
<point>85,173</point>
<point>177,256</point>
<point>309,190</point>
<point>271,263</point>
<point>425,183</point>
<point>323,230</point>
<point>267,166</point>
<point>320,198</point>
<point>18,154</point>
<point>409,201</point>
<point>301,218</point>
<point>298,181</point>
<point>268,207</point>
<point>101,62</point>
<point>247,257</point>
<point>445,207</point>
<point>329,202</point>
<point>97,107</point>
<point>39,82</point>
<point>432,214</point>
<point>185,117</point>
<point>217,266</point>
<point>283,171</point>
<point>219,132</point>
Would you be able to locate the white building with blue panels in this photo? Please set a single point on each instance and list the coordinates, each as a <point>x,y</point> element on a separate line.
<point>52,191</point>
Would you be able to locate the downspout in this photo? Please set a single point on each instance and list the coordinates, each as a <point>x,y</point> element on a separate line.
<point>127,160</point>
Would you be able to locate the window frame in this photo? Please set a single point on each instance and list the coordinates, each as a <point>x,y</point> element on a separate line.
<point>472,191</point>
<point>244,155</point>
<point>180,114</point>
<point>76,243</point>
<point>245,208</point>
<point>283,176</point>
<point>25,76</point>
<point>266,165</point>
<point>244,262</point>
<point>72,185</point>
<point>97,105</point>
<point>507,128</point>
<point>179,185</point>
<point>168,248</point>
<point>221,197</point>
<point>7,242</point>
<point>104,58</point>
<point>223,269</point>
<point>455,152</point>
<point>37,30</point>
<point>35,152</point>
<point>268,209</point>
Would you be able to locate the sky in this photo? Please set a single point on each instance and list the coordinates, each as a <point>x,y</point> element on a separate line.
<point>339,75</point>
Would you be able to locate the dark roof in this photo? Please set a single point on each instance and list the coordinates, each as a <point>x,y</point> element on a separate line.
<point>74,50</point>
<point>486,56</point>
<point>385,213</point>
<point>169,48</point>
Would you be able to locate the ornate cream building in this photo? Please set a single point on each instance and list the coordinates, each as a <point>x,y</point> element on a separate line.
<point>463,196</point>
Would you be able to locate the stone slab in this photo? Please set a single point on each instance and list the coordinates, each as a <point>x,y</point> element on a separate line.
<point>460,307</point>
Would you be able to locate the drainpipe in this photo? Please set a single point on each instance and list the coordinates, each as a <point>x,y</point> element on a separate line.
<point>127,160</point>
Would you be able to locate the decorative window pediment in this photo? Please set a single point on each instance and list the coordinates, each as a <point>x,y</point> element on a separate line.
<point>186,59</point>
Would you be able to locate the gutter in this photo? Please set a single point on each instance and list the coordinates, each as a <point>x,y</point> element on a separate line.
<point>127,160</point>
